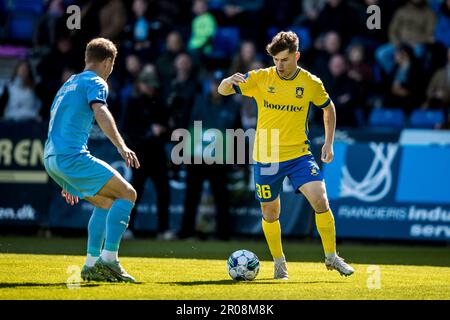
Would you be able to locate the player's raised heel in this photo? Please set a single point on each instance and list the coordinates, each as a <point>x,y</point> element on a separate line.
<point>338,264</point>
<point>91,274</point>
<point>281,272</point>
<point>113,269</point>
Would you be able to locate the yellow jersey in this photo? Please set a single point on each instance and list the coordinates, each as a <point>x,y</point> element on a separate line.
<point>283,107</point>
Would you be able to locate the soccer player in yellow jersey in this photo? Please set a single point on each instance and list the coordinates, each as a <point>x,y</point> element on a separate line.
<point>284,94</point>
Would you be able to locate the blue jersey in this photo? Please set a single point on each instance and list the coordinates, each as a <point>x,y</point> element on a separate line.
<point>71,116</point>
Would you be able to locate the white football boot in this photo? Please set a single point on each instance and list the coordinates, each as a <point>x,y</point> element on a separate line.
<point>280,272</point>
<point>337,263</point>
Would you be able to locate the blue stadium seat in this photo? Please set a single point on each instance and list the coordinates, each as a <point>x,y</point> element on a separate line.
<point>35,6</point>
<point>387,118</point>
<point>305,38</point>
<point>216,4</point>
<point>426,118</point>
<point>302,33</point>
<point>21,25</point>
<point>226,42</point>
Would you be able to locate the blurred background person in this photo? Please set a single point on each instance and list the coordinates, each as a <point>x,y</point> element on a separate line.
<point>215,112</point>
<point>405,81</point>
<point>146,128</point>
<point>243,60</point>
<point>50,68</point>
<point>204,26</point>
<point>342,90</point>
<point>413,24</point>
<point>324,48</point>
<point>182,91</point>
<point>165,63</point>
<point>19,100</point>
<point>438,91</point>
<point>112,18</point>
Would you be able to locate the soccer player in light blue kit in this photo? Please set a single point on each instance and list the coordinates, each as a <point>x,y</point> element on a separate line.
<point>81,176</point>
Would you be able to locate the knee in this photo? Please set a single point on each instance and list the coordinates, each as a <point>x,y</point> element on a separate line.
<point>129,193</point>
<point>321,204</point>
<point>104,203</point>
<point>271,212</point>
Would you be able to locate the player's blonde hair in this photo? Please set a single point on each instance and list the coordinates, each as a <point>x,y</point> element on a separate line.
<point>100,49</point>
<point>282,41</point>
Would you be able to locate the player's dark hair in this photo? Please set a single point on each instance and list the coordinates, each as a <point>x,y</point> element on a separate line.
<point>100,49</point>
<point>282,41</point>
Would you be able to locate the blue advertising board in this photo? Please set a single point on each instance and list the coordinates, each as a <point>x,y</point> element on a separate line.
<point>390,191</point>
<point>24,195</point>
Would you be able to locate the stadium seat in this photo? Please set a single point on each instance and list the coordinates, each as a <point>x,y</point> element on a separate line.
<point>21,25</point>
<point>426,118</point>
<point>226,42</point>
<point>387,118</point>
<point>302,33</point>
<point>305,38</point>
<point>32,6</point>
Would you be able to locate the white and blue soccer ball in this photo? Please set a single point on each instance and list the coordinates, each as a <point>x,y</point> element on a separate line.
<point>243,265</point>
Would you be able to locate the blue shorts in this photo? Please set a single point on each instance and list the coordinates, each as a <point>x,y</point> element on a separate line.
<point>81,174</point>
<point>269,176</point>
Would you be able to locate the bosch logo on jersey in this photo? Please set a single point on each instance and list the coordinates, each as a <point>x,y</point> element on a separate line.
<point>290,108</point>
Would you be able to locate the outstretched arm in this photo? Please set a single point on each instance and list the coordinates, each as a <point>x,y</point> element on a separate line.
<point>226,86</point>
<point>329,121</point>
<point>106,122</point>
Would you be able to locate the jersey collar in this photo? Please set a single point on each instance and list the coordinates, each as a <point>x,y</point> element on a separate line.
<point>292,77</point>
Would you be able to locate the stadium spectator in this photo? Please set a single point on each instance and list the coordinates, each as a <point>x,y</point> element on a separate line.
<point>165,62</point>
<point>243,60</point>
<point>442,31</point>
<point>50,69</point>
<point>414,24</point>
<point>203,29</point>
<point>112,17</point>
<point>405,80</point>
<point>360,71</point>
<point>140,32</point>
<point>215,112</point>
<point>343,91</point>
<point>146,128</point>
<point>324,48</point>
<point>310,12</point>
<point>49,25</point>
<point>133,68</point>
<point>19,99</point>
<point>438,91</point>
<point>182,92</point>
<point>339,16</point>
<point>372,38</point>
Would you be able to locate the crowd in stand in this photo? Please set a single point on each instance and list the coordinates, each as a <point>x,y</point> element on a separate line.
<point>171,47</point>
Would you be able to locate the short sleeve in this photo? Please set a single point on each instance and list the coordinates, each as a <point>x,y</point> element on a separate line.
<point>97,91</point>
<point>321,98</point>
<point>248,88</point>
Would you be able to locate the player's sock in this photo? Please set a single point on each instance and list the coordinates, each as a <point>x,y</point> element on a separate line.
<point>117,223</point>
<point>325,226</point>
<point>90,260</point>
<point>110,256</point>
<point>96,232</point>
<point>272,232</point>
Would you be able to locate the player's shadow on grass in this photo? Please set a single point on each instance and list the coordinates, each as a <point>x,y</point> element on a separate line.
<point>232,282</point>
<point>46,285</point>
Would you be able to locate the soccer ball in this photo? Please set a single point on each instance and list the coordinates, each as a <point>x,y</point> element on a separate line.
<point>243,265</point>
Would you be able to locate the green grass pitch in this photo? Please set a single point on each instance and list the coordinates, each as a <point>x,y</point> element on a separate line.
<point>38,268</point>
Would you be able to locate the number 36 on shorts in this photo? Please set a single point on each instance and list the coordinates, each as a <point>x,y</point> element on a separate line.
<point>263,191</point>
